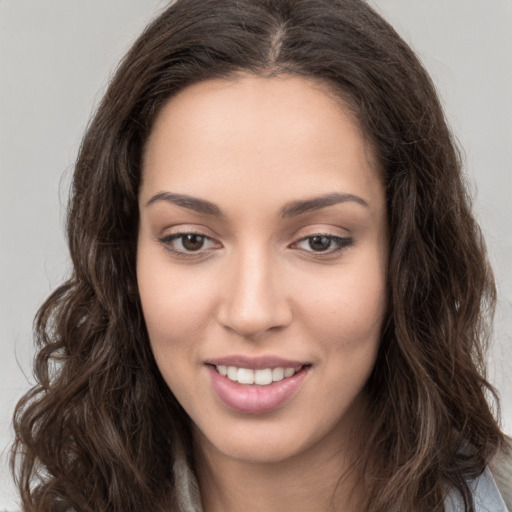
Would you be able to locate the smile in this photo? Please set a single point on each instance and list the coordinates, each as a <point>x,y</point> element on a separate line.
<point>256,390</point>
<point>261,377</point>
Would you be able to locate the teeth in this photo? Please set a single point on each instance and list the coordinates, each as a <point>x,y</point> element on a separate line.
<point>277,374</point>
<point>261,377</point>
<point>288,372</point>
<point>245,376</point>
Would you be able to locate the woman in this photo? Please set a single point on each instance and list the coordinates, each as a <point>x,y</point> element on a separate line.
<point>280,299</point>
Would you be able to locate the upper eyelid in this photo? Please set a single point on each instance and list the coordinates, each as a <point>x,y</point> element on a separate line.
<point>322,233</point>
<point>183,233</point>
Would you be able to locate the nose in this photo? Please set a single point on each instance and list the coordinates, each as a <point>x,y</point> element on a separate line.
<point>254,300</point>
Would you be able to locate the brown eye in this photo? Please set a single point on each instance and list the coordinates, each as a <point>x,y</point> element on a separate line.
<point>323,244</point>
<point>189,244</point>
<point>192,241</point>
<point>320,243</point>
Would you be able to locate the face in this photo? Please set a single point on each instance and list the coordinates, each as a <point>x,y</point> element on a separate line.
<point>262,256</point>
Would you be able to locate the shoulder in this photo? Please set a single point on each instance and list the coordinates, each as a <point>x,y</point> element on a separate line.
<point>492,490</point>
<point>501,468</point>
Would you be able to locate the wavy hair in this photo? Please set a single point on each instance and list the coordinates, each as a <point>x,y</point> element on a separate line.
<point>100,429</point>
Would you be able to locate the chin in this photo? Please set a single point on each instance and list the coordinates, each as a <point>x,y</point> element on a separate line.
<point>262,449</point>
<point>267,441</point>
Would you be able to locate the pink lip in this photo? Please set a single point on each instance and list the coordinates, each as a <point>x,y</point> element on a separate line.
<point>255,399</point>
<point>255,363</point>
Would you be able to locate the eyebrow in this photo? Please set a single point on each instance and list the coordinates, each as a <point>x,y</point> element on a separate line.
<point>291,209</point>
<point>189,202</point>
<point>316,203</point>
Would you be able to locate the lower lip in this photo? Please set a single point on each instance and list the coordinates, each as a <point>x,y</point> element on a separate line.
<point>254,399</point>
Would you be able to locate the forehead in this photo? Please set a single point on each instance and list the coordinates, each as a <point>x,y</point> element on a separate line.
<point>284,131</point>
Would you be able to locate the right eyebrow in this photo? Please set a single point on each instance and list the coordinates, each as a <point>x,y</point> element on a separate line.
<point>189,202</point>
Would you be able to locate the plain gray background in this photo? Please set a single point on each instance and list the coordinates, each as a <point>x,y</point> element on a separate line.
<point>55,60</point>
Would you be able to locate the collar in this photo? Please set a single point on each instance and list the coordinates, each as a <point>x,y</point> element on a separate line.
<point>486,496</point>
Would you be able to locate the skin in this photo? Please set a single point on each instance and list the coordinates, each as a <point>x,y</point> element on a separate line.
<point>258,287</point>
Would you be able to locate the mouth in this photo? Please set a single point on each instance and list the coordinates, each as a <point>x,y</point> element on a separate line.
<point>256,386</point>
<point>260,376</point>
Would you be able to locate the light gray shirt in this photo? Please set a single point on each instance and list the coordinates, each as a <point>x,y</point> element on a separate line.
<point>486,495</point>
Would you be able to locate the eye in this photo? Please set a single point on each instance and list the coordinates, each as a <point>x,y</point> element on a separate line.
<point>323,243</point>
<point>188,244</point>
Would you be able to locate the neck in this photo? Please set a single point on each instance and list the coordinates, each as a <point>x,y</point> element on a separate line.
<point>319,479</point>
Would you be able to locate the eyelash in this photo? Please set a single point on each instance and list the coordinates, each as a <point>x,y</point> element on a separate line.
<point>341,242</point>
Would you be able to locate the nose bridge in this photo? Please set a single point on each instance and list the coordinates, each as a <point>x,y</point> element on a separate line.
<point>254,297</point>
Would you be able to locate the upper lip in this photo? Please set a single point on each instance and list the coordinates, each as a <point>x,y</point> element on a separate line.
<point>255,363</point>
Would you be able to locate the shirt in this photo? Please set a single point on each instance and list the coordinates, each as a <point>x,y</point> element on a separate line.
<point>486,496</point>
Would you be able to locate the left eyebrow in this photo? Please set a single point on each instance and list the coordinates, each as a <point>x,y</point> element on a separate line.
<point>316,203</point>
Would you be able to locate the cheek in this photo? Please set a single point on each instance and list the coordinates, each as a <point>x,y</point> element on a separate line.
<point>169,297</point>
<point>348,306</point>
<point>172,312</point>
<point>175,308</point>
<point>349,334</point>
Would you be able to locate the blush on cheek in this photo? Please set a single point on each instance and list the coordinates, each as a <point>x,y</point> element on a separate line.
<point>170,311</point>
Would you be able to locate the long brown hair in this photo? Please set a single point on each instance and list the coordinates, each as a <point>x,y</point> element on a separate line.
<point>99,430</point>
